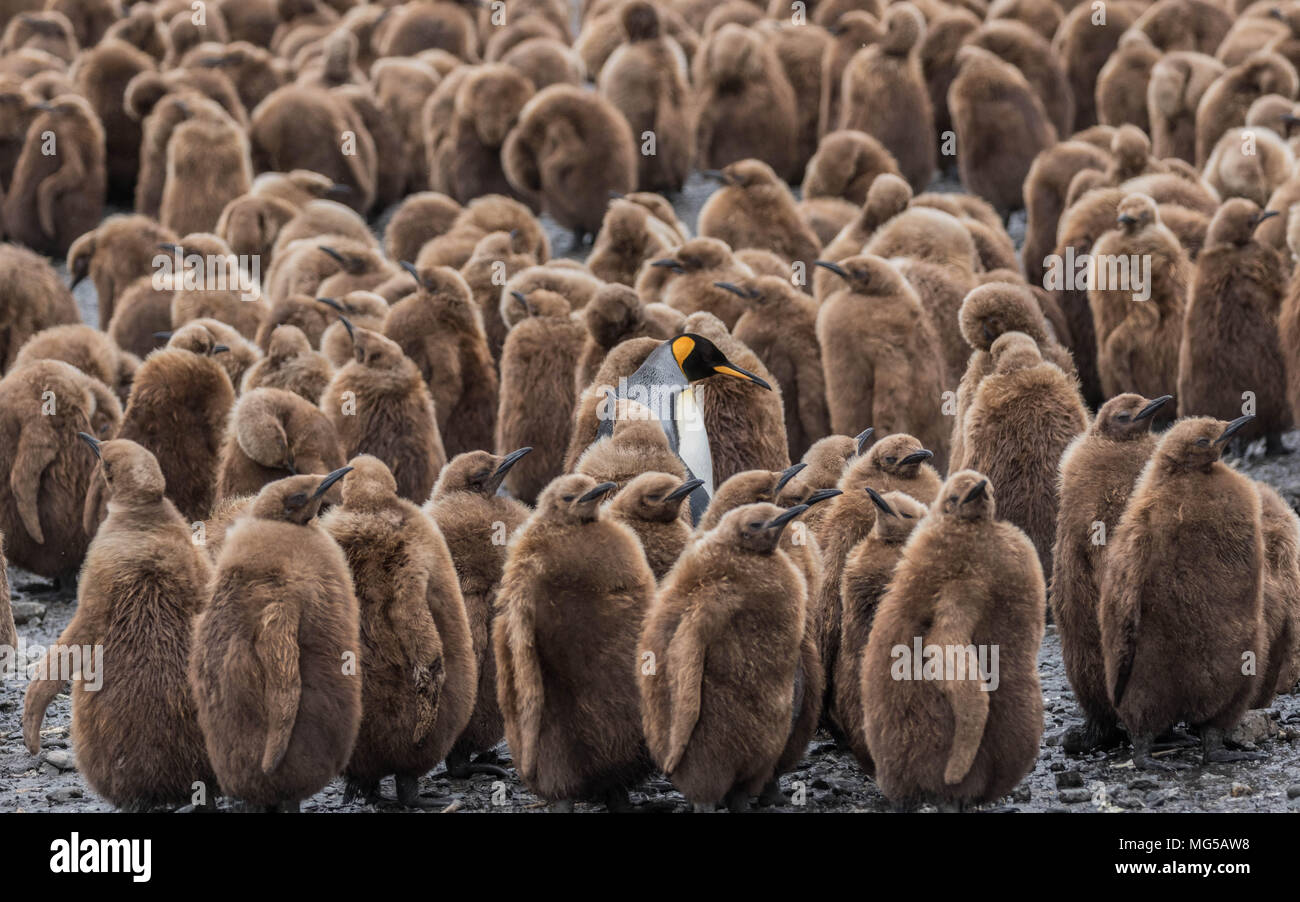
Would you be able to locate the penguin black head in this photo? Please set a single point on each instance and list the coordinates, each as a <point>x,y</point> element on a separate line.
<point>1127,416</point>
<point>966,495</point>
<point>698,358</point>
<point>296,499</point>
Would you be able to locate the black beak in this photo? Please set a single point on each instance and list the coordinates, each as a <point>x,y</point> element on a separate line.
<point>45,106</point>
<point>1232,428</point>
<point>523,301</point>
<point>821,495</point>
<point>832,267</point>
<point>880,502</point>
<point>330,302</point>
<point>1261,216</point>
<point>347,324</point>
<point>169,248</point>
<point>734,289</point>
<point>779,522</point>
<point>1125,219</point>
<point>410,267</point>
<point>1276,13</point>
<point>1290,118</point>
<point>333,253</point>
<point>669,263</point>
<point>499,474</point>
<point>978,490</point>
<point>163,336</point>
<point>684,489</point>
<point>916,457</point>
<point>219,349</point>
<point>786,475</point>
<point>599,491</point>
<point>330,480</point>
<point>862,438</point>
<point>716,175</point>
<point>92,441</point>
<point>988,333</point>
<point>1152,407</point>
<point>616,195</point>
<point>338,189</point>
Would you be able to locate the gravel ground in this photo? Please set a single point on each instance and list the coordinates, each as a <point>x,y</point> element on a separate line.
<point>827,780</point>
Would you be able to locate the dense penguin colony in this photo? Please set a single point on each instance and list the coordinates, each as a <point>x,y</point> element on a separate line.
<point>829,458</point>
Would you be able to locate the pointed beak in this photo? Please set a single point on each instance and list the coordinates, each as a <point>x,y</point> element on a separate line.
<point>978,490</point>
<point>716,175</point>
<point>1261,216</point>
<point>684,489</point>
<point>219,349</point>
<point>523,301</point>
<point>669,263</point>
<point>338,189</point>
<point>410,267</point>
<point>330,480</point>
<point>1125,219</point>
<point>821,495</point>
<point>163,336</point>
<point>333,253</point>
<point>599,491</point>
<point>862,439</point>
<point>832,267</point>
<point>733,288</point>
<point>1152,407</point>
<point>92,441</point>
<point>1233,428</point>
<point>347,324</point>
<point>616,195</point>
<point>916,457</point>
<point>44,106</point>
<point>509,461</point>
<point>1290,118</point>
<point>879,501</point>
<point>330,302</point>
<point>730,369</point>
<point>779,522</point>
<point>786,475</point>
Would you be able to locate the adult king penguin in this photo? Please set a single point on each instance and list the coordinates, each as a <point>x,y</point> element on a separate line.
<point>663,385</point>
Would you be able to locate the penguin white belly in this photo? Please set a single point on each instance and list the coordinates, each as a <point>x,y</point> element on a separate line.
<point>693,439</point>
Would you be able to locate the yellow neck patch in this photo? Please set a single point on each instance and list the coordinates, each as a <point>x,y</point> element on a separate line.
<point>682,348</point>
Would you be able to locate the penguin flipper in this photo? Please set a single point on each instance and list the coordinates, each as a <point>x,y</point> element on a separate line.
<point>685,663</point>
<point>277,650</point>
<point>524,686</point>
<point>37,449</point>
<point>966,697</point>
<point>41,692</point>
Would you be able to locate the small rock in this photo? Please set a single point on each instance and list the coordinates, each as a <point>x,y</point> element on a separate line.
<point>1073,796</point>
<point>1070,779</point>
<point>1143,784</point>
<point>1052,740</point>
<point>1129,800</point>
<point>1022,793</point>
<point>1241,789</point>
<point>1255,727</point>
<point>1293,791</point>
<point>61,758</point>
<point>1056,767</point>
<point>66,794</point>
<point>1160,796</point>
<point>25,611</point>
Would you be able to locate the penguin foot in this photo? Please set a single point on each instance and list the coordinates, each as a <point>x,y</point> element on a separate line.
<point>352,790</point>
<point>562,806</point>
<point>459,767</point>
<point>408,794</point>
<point>38,588</point>
<point>1090,737</point>
<point>772,796</point>
<point>1213,751</point>
<point>1142,759</point>
<point>737,801</point>
<point>1175,738</point>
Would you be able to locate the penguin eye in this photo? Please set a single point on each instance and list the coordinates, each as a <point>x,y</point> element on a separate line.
<point>570,497</point>
<point>1123,417</point>
<point>1203,442</point>
<point>906,516</point>
<point>482,475</point>
<point>891,460</point>
<point>296,500</point>
<point>756,526</point>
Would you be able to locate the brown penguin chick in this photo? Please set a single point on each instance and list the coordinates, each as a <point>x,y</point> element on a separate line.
<point>208,166</point>
<point>614,315</point>
<point>945,34</point>
<point>203,335</point>
<point>651,506</point>
<point>1173,644</point>
<point>290,364</point>
<point>754,208</point>
<point>621,362</point>
<point>888,196</point>
<point>278,704</point>
<point>308,128</point>
<point>1288,321</point>
<point>694,269</point>
<point>1178,82</point>
<point>971,583</point>
<point>298,187</point>
<point>57,196</point>
<point>43,406</point>
<point>929,234</point>
<point>143,583</point>
<point>537,394</point>
<point>991,310</point>
<point>630,236</point>
<point>567,278</point>
<point>780,327</point>
<point>573,721</point>
<point>488,103</point>
<point>140,28</point>
<point>273,434</point>
<point>1122,82</point>
<point>826,216</point>
<point>445,26</point>
<point>251,68</point>
<point>400,88</point>
<point>89,18</point>
<point>545,61</point>
<point>747,106</point>
<point>1085,44</point>
<point>49,31</point>
<point>801,52</point>
<point>1230,342</point>
<point>884,95</point>
<point>718,704</point>
<point>1000,125</point>
<point>379,405</point>
<point>312,18</point>
<point>333,62</point>
<point>1185,25</point>
<point>895,463</point>
<point>1226,102</point>
<point>141,313</point>
<point>363,309</point>
<point>570,149</point>
<point>1043,16</point>
<point>1138,321</point>
<point>419,679</point>
<point>477,524</point>
<point>1250,162</point>
<point>846,165</point>
<point>86,348</point>
<point>362,267</point>
<point>824,464</point>
<point>303,312</point>
<point>881,355</point>
<point>744,420</point>
<point>1097,473</point>
<point>326,221</point>
<point>941,290</point>
<point>420,218</point>
<point>123,248</point>
<point>637,445</point>
<point>1022,417</point>
<point>441,330</point>
<point>177,411</point>
<point>492,213</point>
<point>1045,191</point>
<point>646,80</point>
<point>1281,530</point>
<point>868,571</point>
<point>211,283</point>
<point>1016,43</point>
<point>497,257</point>
<point>101,74</point>
<point>306,266</point>
<point>852,32</point>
